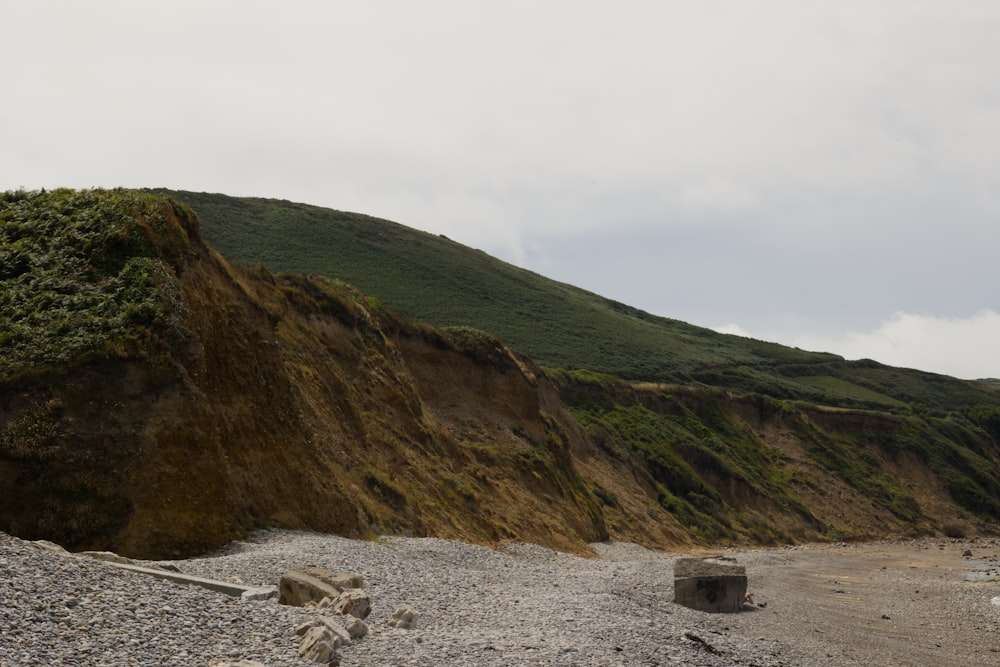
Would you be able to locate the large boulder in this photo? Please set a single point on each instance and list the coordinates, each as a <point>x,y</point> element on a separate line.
<point>301,585</point>
<point>710,584</point>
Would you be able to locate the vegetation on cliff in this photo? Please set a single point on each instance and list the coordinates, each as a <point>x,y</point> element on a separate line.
<point>720,458</point>
<point>83,273</point>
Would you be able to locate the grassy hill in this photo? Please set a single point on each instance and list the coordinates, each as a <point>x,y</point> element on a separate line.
<point>434,279</point>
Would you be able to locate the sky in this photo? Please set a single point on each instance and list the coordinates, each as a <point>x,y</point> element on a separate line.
<point>823,175</point>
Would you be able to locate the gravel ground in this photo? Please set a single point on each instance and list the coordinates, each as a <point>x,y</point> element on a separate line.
<point>890,603</point>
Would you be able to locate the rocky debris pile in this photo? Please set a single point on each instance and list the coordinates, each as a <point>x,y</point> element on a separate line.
<point>339,594</point>
<point>519,605</point>
<point>339,597</point>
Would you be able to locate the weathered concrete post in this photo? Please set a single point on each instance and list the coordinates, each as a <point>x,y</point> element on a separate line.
<point>709,584</point>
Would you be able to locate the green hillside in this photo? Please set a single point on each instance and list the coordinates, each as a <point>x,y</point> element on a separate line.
<point>434,279</point>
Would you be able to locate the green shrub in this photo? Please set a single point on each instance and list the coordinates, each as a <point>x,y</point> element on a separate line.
<point>84,273</point>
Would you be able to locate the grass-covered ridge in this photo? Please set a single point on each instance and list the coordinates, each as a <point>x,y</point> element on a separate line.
<point>434,279</point>
<point>85,272</point>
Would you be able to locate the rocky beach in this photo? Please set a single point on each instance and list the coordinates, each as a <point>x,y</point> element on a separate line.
<point>926,602</point>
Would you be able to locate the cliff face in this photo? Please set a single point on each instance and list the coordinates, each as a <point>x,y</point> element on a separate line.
<point>206,400</point>
<point>289,402</point>
<point>747,468</point>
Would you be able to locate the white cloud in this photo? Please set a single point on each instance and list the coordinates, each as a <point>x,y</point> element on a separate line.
<point>733,329</point>
<point>963,347</point>
<point>718,161</point>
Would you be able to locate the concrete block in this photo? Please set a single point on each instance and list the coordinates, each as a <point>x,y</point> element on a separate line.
<point>713,585</point>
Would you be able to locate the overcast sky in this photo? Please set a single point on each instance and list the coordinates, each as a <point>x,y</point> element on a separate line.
<point>821,174</point>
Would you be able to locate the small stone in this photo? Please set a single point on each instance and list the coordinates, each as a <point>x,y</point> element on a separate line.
<point>355,626</point>
<point>404,618</point>
<point>108,557</point>
<point>304,628</point>
<point>48,546</point>
<point>353,601</point>
<point>335,629</point>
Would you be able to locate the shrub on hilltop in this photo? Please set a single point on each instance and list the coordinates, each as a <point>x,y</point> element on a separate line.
<point>86,272</point>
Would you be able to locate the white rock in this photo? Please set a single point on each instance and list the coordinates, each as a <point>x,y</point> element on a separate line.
<point>260,593</point>
<point>48,546</point>
<point>404,618</point>
<point>107,556</point>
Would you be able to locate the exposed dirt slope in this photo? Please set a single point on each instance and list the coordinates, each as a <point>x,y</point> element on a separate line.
<point>289,405</point>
